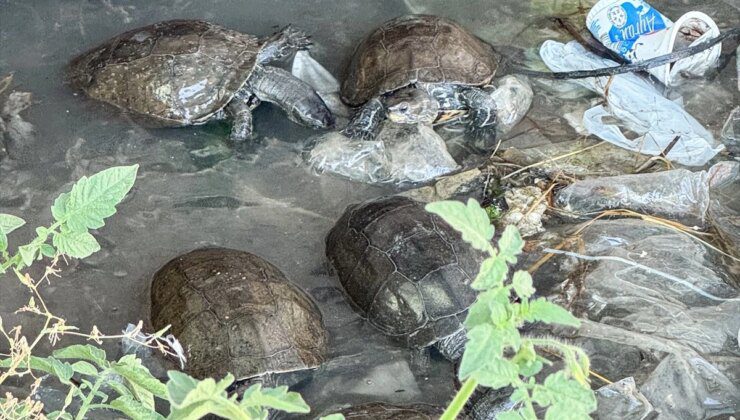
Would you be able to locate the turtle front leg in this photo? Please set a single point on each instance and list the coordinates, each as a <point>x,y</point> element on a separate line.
<point>241,115</point>
<point>481,117</point>
<point>365,123</point>
<point>296,97</point>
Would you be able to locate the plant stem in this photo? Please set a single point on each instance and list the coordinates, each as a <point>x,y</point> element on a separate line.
<point>460,399</point>
<point>86,403</point>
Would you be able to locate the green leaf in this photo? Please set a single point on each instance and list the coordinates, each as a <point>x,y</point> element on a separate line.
<point>510,245</point>
<point>133,371</point>
<point>561,392</point>
<point>480,312</point>
<point>84,352</point>
<point>550,313</point>
<point>93,199</point>
<point>510,415</point>
<point>179,386</point>
<point>76,244</point>
<point>37,363</point>
<point>483,345</point>
<point>492,274</point>
<point>84,368</point>
<point>335,416</point>
<point>192,399</point>
<point>471,220</point>
<point>28,253</point>
<point>522,283</point>
<point>47,250</point>
<point>134,409</point>
<point>62,370</point>
<point>9,223</point>
<point>276,398</point>
<point>3,241</point>
<point>497,373</point>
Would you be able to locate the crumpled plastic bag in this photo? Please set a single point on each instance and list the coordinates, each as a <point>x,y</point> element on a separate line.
<point>638,106</point>
<point>679,194</point>
<point>401,153</point>
<point>323,82</point>
<point>513,97</point>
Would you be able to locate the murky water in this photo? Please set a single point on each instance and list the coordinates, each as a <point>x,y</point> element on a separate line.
<point>193,190</point>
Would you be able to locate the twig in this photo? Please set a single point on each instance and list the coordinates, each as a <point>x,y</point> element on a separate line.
<point>644,268</point>
<point>552,160</point>
<point>636,66</point>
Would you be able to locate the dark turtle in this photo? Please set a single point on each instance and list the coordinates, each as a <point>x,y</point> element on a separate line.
<point>406,270</point>
<point>385,411</point>
<point>419,68</point>
<point>187,72</point>
<point>235,312</point>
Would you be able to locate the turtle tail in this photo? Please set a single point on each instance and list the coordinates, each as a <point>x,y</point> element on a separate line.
<point>284,43</point>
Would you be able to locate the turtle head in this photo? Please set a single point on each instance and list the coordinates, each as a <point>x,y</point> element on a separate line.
<point>411,106</point>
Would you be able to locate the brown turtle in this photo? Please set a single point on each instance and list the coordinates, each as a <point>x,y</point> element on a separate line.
<point>419,68</point>
<point>235,312</point>
<point>407,271</point>
<point>188,72</point>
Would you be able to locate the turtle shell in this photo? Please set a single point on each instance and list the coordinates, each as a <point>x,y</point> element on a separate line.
<point>385,411</point>
<point>178,72</point>
<point>416,48</point>
<point>405,269</point>
<point>235,312</point>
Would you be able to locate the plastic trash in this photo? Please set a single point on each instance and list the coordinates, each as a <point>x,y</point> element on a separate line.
<point>527,206</point>
<point>679,195</point>
<point>638,106</point>
<point>731,131</point>
<point>636,31</point>
<point>636,322</point>
<point>622,400</point>
<point>325,84</point>
<point>401,153</point>
<point>513,97</point>
<point>16,134</point>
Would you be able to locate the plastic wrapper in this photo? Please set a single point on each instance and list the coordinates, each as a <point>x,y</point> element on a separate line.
<point>676,338</point>
<point>400,153</point>
<point>731,131</point>
<point>622,400</point>
<point>323,82</point>
<point>636,31</point>
<point>513,97</point>
<point>638,106</point>
<point>679,195</point>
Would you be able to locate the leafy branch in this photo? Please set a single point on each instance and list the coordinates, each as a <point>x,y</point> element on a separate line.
<point>124,385</point>
<point>496,354</point>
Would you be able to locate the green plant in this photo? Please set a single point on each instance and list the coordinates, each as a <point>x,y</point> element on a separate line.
<point>124,385</point>
<point>496,354</point>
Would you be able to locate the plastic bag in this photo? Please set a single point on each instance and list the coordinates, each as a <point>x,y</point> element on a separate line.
<point>622,400</point>
<point>639,107</point>
<point>679,195</point>
<point>513,97</point>
<point>401,153</point>
<point>731,130</point>
<point>325,84</point>
<point>633,318</point>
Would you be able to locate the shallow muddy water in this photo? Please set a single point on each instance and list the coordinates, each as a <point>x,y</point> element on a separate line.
<point>193,190</point>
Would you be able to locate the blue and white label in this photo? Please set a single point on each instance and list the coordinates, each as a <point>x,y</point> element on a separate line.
<point>620,24</point>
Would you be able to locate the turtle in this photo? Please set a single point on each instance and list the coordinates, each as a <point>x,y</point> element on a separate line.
<point>234,312</point>
<point>406,271</point>
<point>188,72</point>
<point>387,411</point>
<point>420,69</point>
